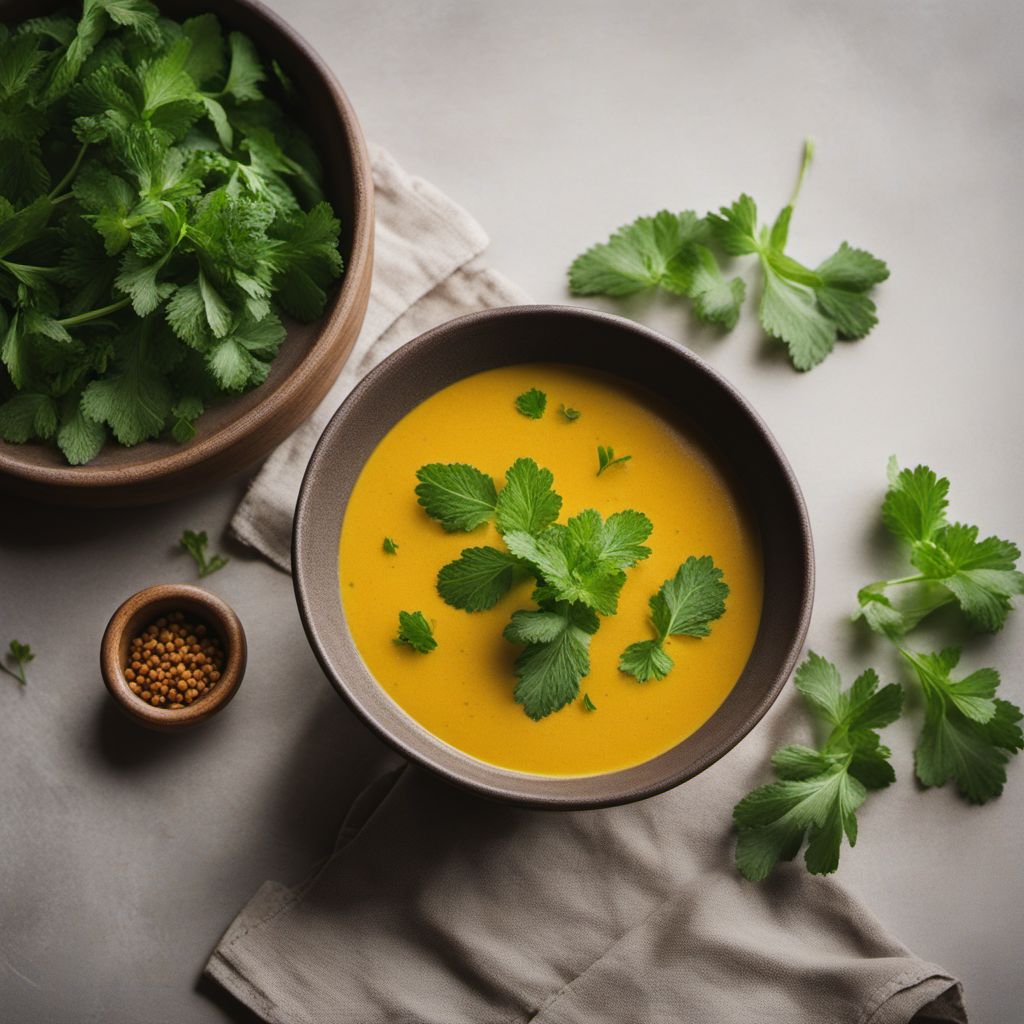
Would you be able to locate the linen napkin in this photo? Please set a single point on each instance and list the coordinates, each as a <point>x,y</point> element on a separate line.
<point>438,907</point>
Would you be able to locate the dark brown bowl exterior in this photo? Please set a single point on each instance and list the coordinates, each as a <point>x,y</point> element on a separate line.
<point>135,615</point>
<point>239,431</point>
<point>561,334</point>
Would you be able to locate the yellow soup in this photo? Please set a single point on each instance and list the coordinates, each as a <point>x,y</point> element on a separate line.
<point>462,691</point>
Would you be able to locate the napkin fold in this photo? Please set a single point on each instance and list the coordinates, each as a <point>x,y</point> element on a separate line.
<point>438,907</point>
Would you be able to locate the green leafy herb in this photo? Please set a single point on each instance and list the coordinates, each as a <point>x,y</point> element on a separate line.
<point>527,502</point>
<point>685,605</point>
<point>556,656</point>
<point>588,704</point>
<point>820,789</point>
<point>570,414</point>
<point>606,457</point>
<point>414,630</point>
<point>969,735</point>
<point>456,494</point>
<point>159,210</point>
<point>952,564</point>
<point>532,403</point>
<point>806,309</point>
<point>195,544</point>
<point>21,654</point>
<point>390,547</point>
<point>478,578</point>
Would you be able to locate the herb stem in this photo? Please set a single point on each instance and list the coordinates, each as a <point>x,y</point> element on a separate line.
<point>69,177</point>
<point>19,675</point>
<point>904,579</point>
<point>94,314</point>
<point>804,167</point>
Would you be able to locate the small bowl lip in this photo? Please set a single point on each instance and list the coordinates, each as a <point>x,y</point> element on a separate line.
<point>155,600</point>
<point>435,755</point>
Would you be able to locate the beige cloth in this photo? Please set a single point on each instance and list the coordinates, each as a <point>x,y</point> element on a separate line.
<point>438,907</point>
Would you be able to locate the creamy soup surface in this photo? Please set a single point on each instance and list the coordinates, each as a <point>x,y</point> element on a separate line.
<point>462,691</point>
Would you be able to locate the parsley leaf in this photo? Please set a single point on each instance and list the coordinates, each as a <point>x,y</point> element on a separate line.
<point>415,631</point>
<point>570,414</point>
<point>583,560</point>
<point>606,457</point>
<point>527,502</point>
<point>390,547</point>
<point>556,656</point>
<point>478,578</point>
<point>664,250</point>
<point>195,544</point>
<point>953,565</point>
<point>685,605</point>
<point>21,654</point>
<point>532,403</point>
<point>459,496</point>
<point>820,790</point>
<point>588,704</point>
<point>969,735</point>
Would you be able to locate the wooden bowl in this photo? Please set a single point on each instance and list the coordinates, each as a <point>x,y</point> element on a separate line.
<point>521,334</point>
<point>135,615</point>
<point>237,431</point>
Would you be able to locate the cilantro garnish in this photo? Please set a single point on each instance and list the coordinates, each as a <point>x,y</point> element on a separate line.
<point>556,656</point>
<point>456,494</point>
<point>415,631</point>
<point>606,457</point>
<point>159,211</point>
<point>952,564</point>
<point>195,544</point>
<point>685,605</point>
<point>588,704</point>
<point>821,788</point>
<point>968,734</point>
<point>389,546</point>
<point>21,654</point>
<point>527,501</point>
<point>532,403</point>
<point>570,414</point>
<point>477,579</point>
<point>808,309</point>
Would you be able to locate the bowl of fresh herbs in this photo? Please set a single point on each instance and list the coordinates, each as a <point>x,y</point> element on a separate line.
<point>186,240</point>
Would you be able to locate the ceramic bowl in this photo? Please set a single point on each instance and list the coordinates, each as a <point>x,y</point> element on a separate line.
<point>239,431</point>
<point>144,608</point>
<point>522,334</point>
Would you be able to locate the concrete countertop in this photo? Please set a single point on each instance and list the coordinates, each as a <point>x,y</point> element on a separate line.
<point>123,855</point>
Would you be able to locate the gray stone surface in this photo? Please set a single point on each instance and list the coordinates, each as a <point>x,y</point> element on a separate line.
<point>123,855</point>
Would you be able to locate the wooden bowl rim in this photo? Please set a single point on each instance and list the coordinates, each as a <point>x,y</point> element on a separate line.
<point>342,304</point>
<point>144,606</point>
<point>420,745</point>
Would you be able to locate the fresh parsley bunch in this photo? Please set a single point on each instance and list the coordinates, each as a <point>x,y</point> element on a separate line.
<point>158,212</point>
<point>807,309</point>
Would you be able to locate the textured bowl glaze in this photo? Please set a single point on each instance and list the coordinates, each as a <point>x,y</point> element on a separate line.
<point>571,335</point>
<point>236,432</point>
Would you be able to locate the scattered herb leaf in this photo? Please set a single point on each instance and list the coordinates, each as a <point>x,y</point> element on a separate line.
<point>606,457</point>
<point>195,544</point>
<point>456,494</point>
<point>952,565</point>
<point>390,547</point>
<point>414,630</point>
<point>532,403</point>
<point>588,704</point>
<point>570,414</point>
<point>969,735</point>
<point>820,789</point>
<point>21,654</point>
<point>527,502</point>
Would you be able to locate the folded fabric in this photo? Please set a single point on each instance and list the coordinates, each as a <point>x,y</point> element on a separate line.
<point>424,273</point>
<point>441,908</point>
<point>438,907</point>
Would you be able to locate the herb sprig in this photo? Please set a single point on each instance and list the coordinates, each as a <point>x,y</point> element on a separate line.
<point>195,544</point>
<point>21,654</point>
<point>807,309</point>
